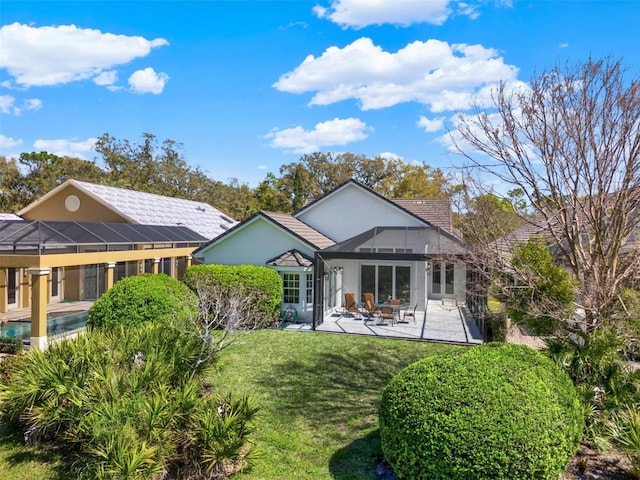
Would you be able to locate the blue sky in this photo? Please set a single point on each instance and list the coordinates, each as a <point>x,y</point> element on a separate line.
<point>247,86</point>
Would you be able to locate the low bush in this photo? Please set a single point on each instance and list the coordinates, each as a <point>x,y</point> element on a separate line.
<point>496,411</point>
<point>260,285</point>
<point>10,345</point>
<point>143,298</point>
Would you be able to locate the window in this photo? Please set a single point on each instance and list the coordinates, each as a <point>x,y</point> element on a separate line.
<point>309,298</point>
<point>291,287</point>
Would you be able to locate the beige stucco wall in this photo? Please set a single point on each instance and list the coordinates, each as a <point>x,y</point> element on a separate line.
<point>53,208</point>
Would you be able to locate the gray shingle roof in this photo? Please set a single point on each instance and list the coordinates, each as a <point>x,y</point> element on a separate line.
<point>436,211</point>
<point>151,209</point>
<point>292,258</point>
<point>300,229</point>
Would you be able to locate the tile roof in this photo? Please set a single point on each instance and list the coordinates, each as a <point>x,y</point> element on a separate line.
<point>292,258</point>
<point>300,229</point>
<point>436,211</point>
<point>151,209</point>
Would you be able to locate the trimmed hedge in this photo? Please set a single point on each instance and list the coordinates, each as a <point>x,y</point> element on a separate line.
<point>143,298</point>
<point>496,411</point>
<point>262,284</point>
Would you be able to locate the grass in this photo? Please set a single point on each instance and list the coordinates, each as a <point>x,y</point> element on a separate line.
<point>319,395</point>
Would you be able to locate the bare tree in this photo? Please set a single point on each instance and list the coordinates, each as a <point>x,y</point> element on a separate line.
<point>224,316</point>
<point>571,143</point>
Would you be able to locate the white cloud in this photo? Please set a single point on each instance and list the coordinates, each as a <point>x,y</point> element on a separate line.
<point>445,77</point>
<point>107,77</point>
<point>361,13</point>
<point>332,132</point>
<point>54,55</point>
<point>64,147</point>
<point>262,167</point>
<point>8,142</point>
<point>148,81</point>
<point>8,105</point>
<point>564,45</point>
<point>390,156</point>
<point>431,125</point>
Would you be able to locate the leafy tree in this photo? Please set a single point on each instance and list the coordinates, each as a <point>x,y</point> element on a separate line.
<point>571,143</point>
<point>542,296</point>
<point>316,174</point>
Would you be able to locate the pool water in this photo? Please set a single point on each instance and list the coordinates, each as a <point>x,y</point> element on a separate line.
<point>57,323</point>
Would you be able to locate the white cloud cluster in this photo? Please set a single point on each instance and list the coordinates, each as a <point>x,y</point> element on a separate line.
<point>8,142</point>
<point>443,76</point>
<point>55,55</point>
<point>8,105</point>
<point>390,156</point>
<point>361,13</point>
<point>330,133</point>
<point>64,147</point>
<point>431,124</point>
<point>148,81</point>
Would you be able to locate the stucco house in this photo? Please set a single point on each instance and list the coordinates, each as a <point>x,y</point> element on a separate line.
<point>77,240</point>
<point>352,240</point>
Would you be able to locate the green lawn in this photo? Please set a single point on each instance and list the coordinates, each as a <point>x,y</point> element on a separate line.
<point>319,395</point>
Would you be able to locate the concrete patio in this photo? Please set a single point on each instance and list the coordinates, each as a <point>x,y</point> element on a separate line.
<point>442,321</point>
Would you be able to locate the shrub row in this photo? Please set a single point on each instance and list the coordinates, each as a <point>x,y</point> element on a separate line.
<point>260,284</point>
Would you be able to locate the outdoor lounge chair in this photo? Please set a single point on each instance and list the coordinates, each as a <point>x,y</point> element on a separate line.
<point>410,313</point>
<point>350,305</point>
<point>370,305</point>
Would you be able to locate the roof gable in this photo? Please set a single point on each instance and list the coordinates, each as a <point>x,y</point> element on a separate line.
<point>353,208</point>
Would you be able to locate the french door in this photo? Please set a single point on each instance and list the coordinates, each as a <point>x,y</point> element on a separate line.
<point>442,279</point>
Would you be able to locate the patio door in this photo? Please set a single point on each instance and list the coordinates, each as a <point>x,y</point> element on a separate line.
<point>93,276</point>
<point>56,280</point>
<point>386,282</point>
<point>13,287</point>
<point>442,279</point>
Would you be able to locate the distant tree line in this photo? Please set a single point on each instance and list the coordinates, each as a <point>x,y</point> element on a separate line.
<point>160,167</point>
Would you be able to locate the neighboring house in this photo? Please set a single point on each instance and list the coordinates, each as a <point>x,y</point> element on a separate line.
<point>77,240</point>
<point>351,240</point>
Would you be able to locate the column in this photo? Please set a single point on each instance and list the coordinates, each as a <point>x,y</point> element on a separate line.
<point>187,262</point>
<point>156,265</point>
<point>108,275</point>
<point>4,277</point>
<point>39,290</point>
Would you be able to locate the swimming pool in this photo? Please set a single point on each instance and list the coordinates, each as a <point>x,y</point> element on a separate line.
<point>57,323</point>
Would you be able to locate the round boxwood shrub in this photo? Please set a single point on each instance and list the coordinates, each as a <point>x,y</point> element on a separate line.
<point>138,299</point>
<point>496,411</point>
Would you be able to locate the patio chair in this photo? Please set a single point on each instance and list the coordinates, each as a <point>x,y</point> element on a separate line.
<point>350,305</point>
<point>388,313</point>
<point>394,301</point>
<point>410,313</point>
<point>370,305</point>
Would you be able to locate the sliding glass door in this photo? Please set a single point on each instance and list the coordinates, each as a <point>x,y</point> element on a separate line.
<point>386,282</point>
